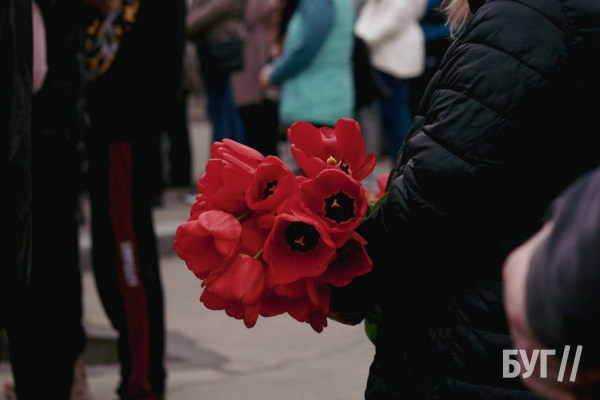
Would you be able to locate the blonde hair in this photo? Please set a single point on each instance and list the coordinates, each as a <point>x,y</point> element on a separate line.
<point>458,13</point>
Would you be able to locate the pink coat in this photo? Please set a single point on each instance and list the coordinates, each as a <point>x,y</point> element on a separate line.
<point>246,86</point>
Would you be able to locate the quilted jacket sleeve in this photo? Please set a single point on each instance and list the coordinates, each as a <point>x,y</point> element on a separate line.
<point>458,180</point>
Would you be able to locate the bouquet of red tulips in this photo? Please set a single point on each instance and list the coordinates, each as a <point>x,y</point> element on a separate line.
<point>265,241</point>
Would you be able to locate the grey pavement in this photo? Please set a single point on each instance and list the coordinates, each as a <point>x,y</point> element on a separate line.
<point>212,356</point>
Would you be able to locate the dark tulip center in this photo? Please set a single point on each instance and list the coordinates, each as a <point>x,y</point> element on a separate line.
<point>269,189</point>
<point>301,237</point>
<point>339,208</point>
<point>341,165</point>
<point>345,249</point>
<point>345,167</point>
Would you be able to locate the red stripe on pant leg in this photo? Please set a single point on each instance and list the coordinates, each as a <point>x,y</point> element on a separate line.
<point>130,280</point>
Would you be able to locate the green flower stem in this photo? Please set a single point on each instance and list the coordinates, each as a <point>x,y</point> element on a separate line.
<point>377,204</point>
<point>260,253</point>
<point>244,216</point>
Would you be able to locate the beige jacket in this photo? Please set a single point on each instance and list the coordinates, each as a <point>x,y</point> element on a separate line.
<point>246,86</point>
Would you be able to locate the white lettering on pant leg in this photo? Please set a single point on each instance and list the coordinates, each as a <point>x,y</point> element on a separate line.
<point>544,362</point>
<point>507,362</point>
<point>529,364</point>
<point>128,260</point>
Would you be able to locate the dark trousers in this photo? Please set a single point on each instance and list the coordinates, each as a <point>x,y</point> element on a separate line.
<point>125,258</point>
<point>43,320</point>
<point>395,111</point>
<point>261,126</point>
<point>222,112</point>
<point>180,158</point>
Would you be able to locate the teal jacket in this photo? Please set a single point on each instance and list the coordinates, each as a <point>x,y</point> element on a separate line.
<point>317,81</point>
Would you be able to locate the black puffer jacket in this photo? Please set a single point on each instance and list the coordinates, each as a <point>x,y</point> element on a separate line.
<point>511,118</point>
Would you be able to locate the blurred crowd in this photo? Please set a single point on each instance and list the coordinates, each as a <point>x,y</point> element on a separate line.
<point>107,86</point>
<point>315,62</point>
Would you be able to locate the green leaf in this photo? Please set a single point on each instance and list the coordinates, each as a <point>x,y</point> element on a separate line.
<point>378,204</point>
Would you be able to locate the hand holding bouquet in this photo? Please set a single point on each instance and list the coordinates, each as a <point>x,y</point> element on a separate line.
<point>267,242</point>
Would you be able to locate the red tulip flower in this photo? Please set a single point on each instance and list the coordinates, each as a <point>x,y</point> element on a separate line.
<point>267,242</point>
<point>298,247</point>
<point>206,243</point>
<point>232,151</point>
<point>242,279</point>
<point>228,175</point>
<point>272,305</point>
<point>273,183</point>
<point>237,287</point>
<point>337,199</point>
<point>225,185</point>
<point>253,236</point>
<point>298,289</point>
<point>304,310</point>
<point>200,205</point>
<point>234,309</point>
<point>342,148</point>
<point>352,260</point>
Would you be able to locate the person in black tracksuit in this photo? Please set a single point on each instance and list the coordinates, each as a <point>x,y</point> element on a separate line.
<point>128,106</point>
<point>509,121</point>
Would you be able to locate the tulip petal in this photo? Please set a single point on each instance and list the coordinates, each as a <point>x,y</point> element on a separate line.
<point>213,302</point>
<point>311,165</point>
<point>247,279</point>
<point>220,224</point>
<point>226,246</point>
<point>313,292</point>
<point>365,169</point>
<point>351,144</point>
<point>251,315</point>
<point>273,305</point>
<point>352,260</point>
<point>318,322</point>
<point>253,236</point>
<point>307,138</point>
<point>251,156</point>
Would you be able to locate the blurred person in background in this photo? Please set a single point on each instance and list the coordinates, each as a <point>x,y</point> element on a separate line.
<point>397,46</point>
<point>16,86</point>
<point>259,115</point>
<point>217,27</point>
<point>315,67</point>
<point>279,22</point>
<point>46,335</point>
<point>551,293</point>
<point>437,42</point>
<point>507,123</point>
<point>135,58</point>
<point>44,319</point>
